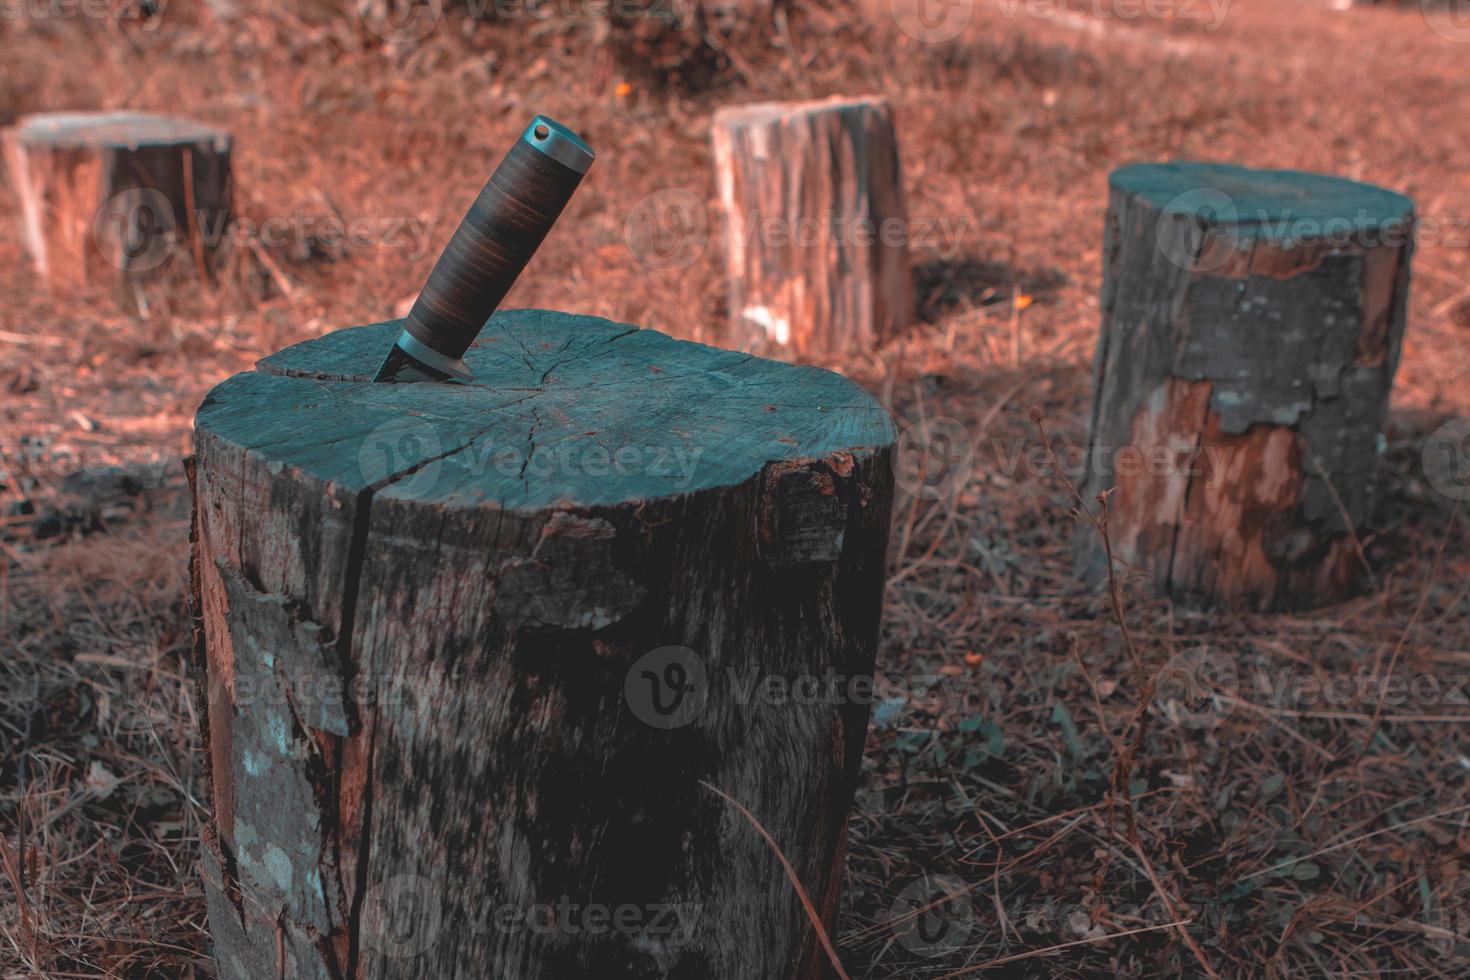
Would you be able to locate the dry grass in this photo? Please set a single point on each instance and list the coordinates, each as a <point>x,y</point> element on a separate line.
<point>1081,816</point>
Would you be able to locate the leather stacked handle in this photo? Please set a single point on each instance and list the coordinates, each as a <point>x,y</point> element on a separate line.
<point>502,230</point>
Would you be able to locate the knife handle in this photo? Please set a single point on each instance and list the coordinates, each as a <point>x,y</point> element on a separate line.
<point>502,230</point>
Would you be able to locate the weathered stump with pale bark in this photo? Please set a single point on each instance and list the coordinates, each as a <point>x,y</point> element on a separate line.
<point>1251,328</point>
<point>117,197</point>
<point>474,659</point>
<point>816,228</point>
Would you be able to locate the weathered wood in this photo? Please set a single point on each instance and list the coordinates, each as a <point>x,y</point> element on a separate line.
<point>1251,328</point>
<point>436,619</point>
<point>816,228</point>
<point>117,197</point>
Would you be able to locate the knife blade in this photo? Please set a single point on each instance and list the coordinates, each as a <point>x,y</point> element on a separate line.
<point>497,237</point>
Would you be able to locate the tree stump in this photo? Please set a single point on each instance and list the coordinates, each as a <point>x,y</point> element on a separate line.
<point>816,228</point>
<point>475,658</point>
<point>1251,328</point>
<point>113,197</point>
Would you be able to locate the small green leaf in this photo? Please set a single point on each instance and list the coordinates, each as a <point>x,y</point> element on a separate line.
<point>912,742</point>
<point>995,740</point>
<point>1237,891</point>
<point>888,712</point>
<point>1061,716</point>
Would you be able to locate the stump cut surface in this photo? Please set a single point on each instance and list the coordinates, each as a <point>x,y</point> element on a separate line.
<point>1260,200</point>
<point>129,130</point>
<point>548,387</point>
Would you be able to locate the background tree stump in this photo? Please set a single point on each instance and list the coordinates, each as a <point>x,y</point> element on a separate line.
<point>1251,327</point>
<point>816,228</point>
<point>470,651</point>
<point>113,197</point>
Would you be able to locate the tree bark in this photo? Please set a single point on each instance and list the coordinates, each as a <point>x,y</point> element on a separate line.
<point>118,197</point>
<point>474,658</point>
<point>1251,328</point>
<point>816,228</point>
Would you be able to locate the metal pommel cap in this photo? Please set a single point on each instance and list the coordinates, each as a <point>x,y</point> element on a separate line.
<point>559,143</point>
